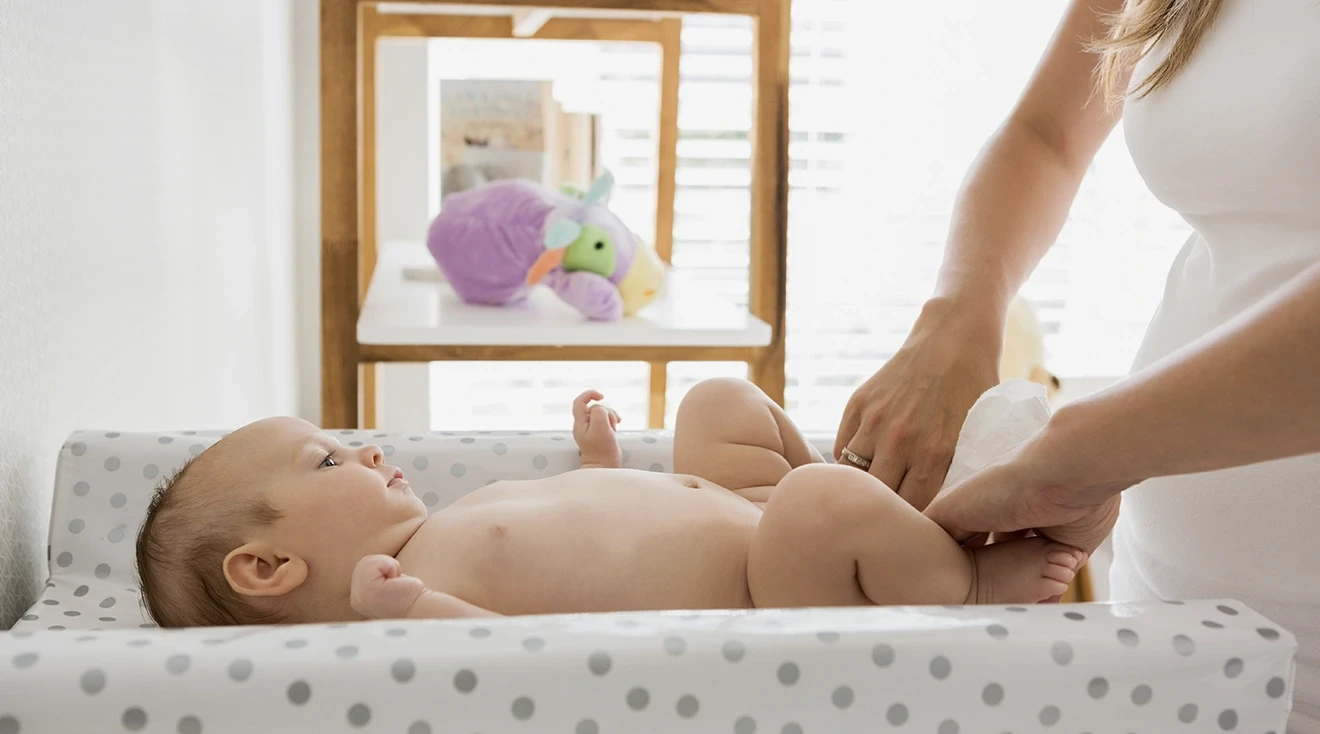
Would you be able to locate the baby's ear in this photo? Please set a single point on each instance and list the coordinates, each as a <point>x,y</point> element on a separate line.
<point>258,569</point>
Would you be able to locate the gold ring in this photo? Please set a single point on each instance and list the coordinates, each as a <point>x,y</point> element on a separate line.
<point>858,461</point>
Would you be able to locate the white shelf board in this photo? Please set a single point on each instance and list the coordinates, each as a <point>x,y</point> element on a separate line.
<point>406,306</point>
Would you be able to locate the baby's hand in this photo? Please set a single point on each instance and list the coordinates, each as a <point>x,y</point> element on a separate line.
<point>380,591</point>
<point>593,429</point>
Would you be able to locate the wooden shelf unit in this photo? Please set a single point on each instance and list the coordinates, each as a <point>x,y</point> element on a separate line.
<point>349,33</point>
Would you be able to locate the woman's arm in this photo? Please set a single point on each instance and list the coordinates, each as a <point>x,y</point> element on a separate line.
<point>1247,392</point>
<point>1014,201</point>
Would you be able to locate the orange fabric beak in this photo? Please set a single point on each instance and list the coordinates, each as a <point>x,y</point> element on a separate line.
<point>549,260</point>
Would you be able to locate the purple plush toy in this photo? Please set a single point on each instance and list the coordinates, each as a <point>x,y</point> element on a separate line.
<point>495,242</point>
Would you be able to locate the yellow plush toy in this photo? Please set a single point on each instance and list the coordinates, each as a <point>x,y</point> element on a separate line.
<point>1024,348</point>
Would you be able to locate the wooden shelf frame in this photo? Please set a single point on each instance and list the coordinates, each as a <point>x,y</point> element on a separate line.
<point>349,32</point>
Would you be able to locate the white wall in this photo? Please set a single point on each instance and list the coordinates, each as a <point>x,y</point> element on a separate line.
<point>146,260</point>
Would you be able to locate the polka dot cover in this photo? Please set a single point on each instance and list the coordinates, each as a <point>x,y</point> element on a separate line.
<point>85,659</point>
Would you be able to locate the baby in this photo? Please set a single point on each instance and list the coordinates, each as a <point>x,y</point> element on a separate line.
<point>279,523</point>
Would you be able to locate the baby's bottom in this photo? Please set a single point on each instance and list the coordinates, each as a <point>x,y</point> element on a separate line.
<point>834,535</point>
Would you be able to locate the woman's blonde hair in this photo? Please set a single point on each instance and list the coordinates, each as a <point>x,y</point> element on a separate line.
<point>1137,28</point>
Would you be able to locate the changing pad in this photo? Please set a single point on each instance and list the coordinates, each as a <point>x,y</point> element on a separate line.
<point>80,660</point>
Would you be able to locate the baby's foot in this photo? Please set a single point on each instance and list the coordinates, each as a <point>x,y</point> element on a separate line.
<point>1022,571</point>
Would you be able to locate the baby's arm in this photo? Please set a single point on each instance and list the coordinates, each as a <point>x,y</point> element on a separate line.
<point>593,429</point>
<point>380,591</point>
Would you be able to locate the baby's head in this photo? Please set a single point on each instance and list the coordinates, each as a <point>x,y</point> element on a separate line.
<point>266,527</point>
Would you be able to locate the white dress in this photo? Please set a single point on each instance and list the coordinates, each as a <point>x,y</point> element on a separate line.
<point>1233,144</point>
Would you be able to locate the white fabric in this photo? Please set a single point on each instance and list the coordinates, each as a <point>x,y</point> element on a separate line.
<point>1120,668</point>
<point>1234,146</point>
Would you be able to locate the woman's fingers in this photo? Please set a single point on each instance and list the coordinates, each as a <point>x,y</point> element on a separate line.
<point>984,503</point>
<point>852,419</point>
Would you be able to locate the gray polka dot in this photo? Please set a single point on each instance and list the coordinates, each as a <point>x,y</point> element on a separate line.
<point>479,633</point>
<point>430,499</point>
<point>346,432</point>
<point>73,613</point>
<point>500,449</point>
<point>458,470</point>
<point>587,726</point>
<point>744,725</point>
<point>940,667</point>
<point>190,725</point>
<point>299,692</point>
<point>627,457</point>
<point>1228,720</point>
<point>599,663</point>
<point>64,560</point>
<point>1230,611</point>
<point>76,525</point>
<point>420,463</point>
<point>1128,638</point>
<point>638,699</point>
<point>78,449</point>
<point>112,434</point>
<point>1098,688</point>
<point>81,488</point>
<point>50,602</point>
<point>134,719</point>
<point>1142,694</point>
<point>1212,624</point>
<point>107,602</point>
<point>102,571</point>
<point>675,645</point>
<point>112,463</point>
<point>1233,668</point>
<point>1275,688</point>
<point>829,638</point>
<point>115,535</point>
<point>403,670</point>
<point>1062,653</point>
<point>387,450</point>
<point>1049,716</point>
<point>465,681</point>
<point>656,467</point>
<point>1075,616</point>
<point>25,660</point>
<point>106,619</point>
<point>296,644</point>
<point>842,697</point>
<point>9,725</point>
<point>164,439</point>
<point>540,462</point>
<point>948,726</point>
<point>139,643</point>
<point>1268,633</point>
<point>791,728</point>
<point>1009,609</point>
<point>882,655</point>
<point>55,627</point>
<point>897,715</point>
<point>993,694</point>
<point>347,652</point>
<point>467,439</point>
<point>81,590</point>
<point>151,471</point>
<point>414,438</point>
<point>355,444</point>
<point>788,674</point>
<point>1187,714</point>
<point>997,631</point>
<point>178,664</point>
<point>734,651</point>
<point>1183,645</point>
<point>419,727</point>
<point>359,714</point>
<point>687,706</point>
<point>29,618</point>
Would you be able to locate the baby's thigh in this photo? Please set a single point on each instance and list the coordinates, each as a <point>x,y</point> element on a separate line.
<point>804,550</point>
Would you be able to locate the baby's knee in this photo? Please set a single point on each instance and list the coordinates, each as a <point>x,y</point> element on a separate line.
<point>826,495</point>
<point>721,396</point>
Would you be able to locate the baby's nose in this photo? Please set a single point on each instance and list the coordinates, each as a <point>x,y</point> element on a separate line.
<point>371,455</point>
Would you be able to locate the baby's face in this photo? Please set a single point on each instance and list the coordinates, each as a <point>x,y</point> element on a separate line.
<point>337,504</point>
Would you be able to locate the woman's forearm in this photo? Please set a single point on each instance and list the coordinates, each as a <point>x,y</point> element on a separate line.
<point>1011,208</point>
<point>1245,393</point>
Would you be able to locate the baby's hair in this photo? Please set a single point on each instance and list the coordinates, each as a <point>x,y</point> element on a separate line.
<point>181,550</point>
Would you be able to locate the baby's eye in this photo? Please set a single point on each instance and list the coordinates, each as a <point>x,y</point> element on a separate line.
<point>329,461</point>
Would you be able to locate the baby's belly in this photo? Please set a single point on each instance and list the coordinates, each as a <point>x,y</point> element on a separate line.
<point>593,541</point>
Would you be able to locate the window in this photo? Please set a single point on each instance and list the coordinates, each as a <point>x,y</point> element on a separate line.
<point>890,105</point>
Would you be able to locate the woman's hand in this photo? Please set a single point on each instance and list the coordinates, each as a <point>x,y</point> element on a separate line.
<point>906,418</point>
<point>1041,485</point>
<point>593,429</point>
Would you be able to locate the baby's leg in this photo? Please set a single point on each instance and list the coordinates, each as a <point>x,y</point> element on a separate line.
<point>731,433</point>
<point>835,536</point>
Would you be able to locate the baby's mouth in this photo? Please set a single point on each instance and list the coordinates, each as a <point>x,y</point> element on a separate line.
<point>397,480</point>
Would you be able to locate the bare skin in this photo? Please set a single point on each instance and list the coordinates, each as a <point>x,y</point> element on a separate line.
<point>769,526</point>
